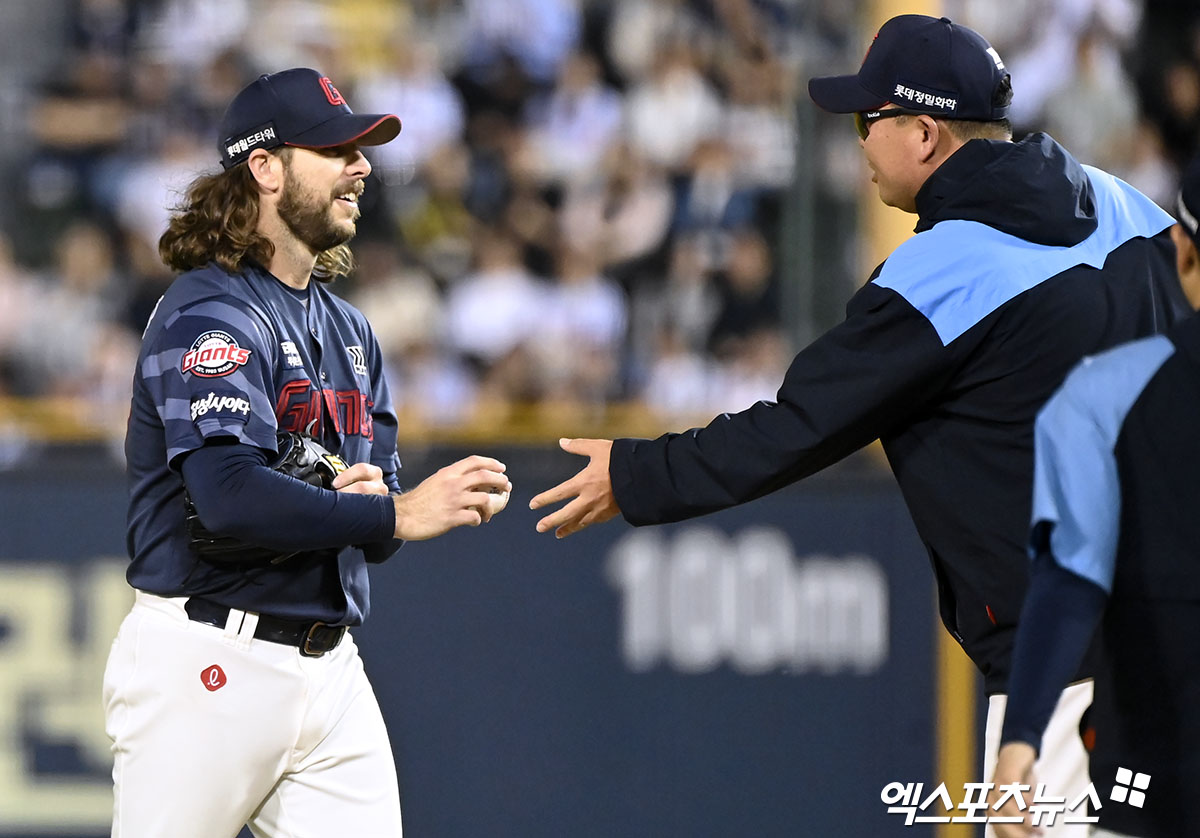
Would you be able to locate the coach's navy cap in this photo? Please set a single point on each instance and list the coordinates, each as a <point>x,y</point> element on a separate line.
<point>1187,204</point>
<point>924,64</point>
<point>298,107</point>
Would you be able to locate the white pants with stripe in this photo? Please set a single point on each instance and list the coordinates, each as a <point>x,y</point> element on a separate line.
<point>1062,760</point>
<point>213,729</point>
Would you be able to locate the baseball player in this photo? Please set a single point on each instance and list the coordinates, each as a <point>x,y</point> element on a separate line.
<point>234,693</point>
<point>1024,261</point>
<point>1114,539</point>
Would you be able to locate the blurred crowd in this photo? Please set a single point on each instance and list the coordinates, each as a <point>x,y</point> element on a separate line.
<point>588,203</point>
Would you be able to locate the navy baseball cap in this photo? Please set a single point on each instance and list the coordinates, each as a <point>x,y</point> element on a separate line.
<point>298,107</point>
<point>925,64</point>
<point>1187,204</point>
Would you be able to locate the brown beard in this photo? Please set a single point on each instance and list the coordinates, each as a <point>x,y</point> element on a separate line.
<point>308,217</point>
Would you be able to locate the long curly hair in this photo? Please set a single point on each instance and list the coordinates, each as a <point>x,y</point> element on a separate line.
<point>216,222</point>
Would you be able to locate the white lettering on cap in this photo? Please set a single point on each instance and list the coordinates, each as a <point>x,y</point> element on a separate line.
<point>251,140</point>
<point>929,100</point>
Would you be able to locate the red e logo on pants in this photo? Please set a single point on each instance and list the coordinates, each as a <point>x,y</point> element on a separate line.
<point>213,678</point>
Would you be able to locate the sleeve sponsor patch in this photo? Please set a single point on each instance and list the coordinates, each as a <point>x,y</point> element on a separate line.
<point>214,354</point>
<point>235,406</point>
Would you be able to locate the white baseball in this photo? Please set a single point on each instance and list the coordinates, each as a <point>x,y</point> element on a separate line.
<point>497,500</point>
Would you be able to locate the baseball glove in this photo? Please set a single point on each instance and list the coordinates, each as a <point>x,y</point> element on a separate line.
<point>301,457</point>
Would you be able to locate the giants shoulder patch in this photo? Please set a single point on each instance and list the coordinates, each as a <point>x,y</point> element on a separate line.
<point>214,354</point>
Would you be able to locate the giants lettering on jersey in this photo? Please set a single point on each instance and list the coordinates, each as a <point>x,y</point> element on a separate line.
<point>214,354</point>
<point>302,408</point>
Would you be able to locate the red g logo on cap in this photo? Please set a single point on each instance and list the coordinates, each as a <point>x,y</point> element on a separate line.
<point>331,92</point>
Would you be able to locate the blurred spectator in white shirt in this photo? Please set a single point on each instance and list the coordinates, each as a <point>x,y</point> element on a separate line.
<point>147,188</point>
<point>573,127</point>
<point>497,309</point>
<point>413,86</point>
<point>672,111</point>
<point>72,340</point>
<point>752,373</point>
<point>638,28</point>
<point>623,211</point>
<point>582,330</point>
<point>1093,110</point>
<point>760,124</point>
<point>678,382</point>
<point>538,34</point>
<point>1148,168</point>
<point>400,300</point>
<point>190,33</point>
<point>429,384</point>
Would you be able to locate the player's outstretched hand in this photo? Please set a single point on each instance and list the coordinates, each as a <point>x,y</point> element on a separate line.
<point>463,494</point>
<point>590,490</point>
<point>361,479</point>
<point>1014,766</point>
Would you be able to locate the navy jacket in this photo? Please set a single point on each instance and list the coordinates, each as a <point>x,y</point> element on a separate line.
<point>1024,261</point>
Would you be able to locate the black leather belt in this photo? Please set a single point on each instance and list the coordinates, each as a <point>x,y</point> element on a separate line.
<point>313,637</point>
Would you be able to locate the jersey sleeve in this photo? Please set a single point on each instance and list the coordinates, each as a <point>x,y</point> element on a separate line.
<point>852,385</point>
<point>209,374</point>
<point>1076,484</point>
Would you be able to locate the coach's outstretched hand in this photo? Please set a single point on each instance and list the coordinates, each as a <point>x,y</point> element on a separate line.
<point>459,495</point>
<point>590,490</point>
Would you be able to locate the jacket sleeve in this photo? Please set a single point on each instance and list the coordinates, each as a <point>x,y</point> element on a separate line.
<point>881,365</point>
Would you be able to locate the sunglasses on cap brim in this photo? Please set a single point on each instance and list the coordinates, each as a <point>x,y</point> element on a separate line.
<point>863,119</point>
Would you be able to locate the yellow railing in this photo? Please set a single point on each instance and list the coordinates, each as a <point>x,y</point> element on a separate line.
<point>68,420</point>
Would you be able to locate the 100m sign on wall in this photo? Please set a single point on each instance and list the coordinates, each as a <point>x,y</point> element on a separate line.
<point>700,598</point>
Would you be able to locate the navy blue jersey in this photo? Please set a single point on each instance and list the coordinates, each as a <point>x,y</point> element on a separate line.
<point>238,357</point>
<point>1115,503</point>
<point>1024,262</point>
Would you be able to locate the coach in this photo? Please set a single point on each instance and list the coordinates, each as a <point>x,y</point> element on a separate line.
<point>1024,261</point>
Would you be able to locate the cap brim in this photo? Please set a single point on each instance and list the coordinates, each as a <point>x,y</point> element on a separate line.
<point>364,129</point>
<point>843,94</point>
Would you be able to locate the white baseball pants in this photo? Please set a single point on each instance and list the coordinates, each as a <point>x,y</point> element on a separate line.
<point>1062,760</point>
<point>213,729</point>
